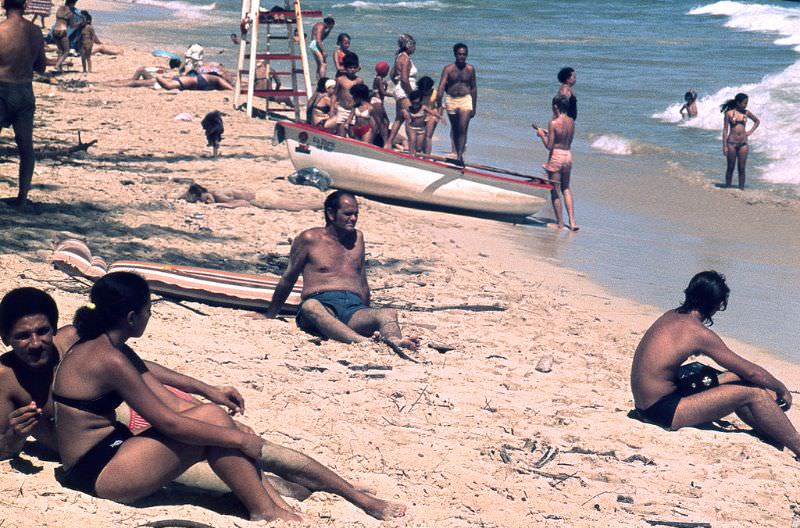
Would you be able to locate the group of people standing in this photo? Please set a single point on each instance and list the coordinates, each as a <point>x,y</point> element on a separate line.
<point>345,105</point>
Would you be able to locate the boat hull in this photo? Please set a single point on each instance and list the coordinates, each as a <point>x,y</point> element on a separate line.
<point>368,170</point>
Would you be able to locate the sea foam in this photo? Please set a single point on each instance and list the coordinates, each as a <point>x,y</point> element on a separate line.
<point>424,4</point>
<point>181,9</point>
<point>613,144</point>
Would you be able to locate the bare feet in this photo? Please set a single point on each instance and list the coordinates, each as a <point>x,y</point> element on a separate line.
<point>574,228</point>
<point>384,510</point>
<point>551,225</point>
<point>397,344</point>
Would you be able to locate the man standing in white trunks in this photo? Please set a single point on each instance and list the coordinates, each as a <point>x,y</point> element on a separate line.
<point>459,82</point>
<point>558,140</point>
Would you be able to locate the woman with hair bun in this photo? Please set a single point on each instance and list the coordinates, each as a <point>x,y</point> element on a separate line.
<point>735,134</point>
<point>404,76</point>
<point>102,457</point>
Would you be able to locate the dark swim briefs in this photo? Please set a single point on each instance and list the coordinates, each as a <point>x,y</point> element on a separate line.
<point>16,103</point>
<point>82,476</point>
<point>663,411</point>
<point>343,304</point>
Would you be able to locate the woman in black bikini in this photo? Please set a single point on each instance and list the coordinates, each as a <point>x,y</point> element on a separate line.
<point>100,455</point>
<point>735,134</point>
<point>319,108</point>
<point>103,458</point>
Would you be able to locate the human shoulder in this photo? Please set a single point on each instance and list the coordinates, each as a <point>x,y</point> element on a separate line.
<point>311,235</point>
<point>9,382</point>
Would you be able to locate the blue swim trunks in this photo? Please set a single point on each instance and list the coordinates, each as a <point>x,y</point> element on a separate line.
<point>343,304</point>
<point>17,103</point>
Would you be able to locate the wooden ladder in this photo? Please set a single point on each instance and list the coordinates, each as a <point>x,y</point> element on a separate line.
<point>290,19</point>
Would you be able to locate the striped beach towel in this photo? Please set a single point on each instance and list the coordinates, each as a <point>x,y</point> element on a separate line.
<point>39,7</point>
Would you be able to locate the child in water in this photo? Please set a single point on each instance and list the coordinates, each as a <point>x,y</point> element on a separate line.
<point>690,105</point>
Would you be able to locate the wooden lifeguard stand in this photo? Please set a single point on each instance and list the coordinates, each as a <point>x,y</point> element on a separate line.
<point>279,64</point>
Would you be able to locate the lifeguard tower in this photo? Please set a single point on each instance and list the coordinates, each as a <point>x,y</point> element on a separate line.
<point>265,59</point>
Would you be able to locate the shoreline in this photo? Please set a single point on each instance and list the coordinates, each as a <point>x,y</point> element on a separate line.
<point>450,437</point>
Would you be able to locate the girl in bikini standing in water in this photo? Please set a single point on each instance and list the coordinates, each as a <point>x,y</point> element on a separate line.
<point>735,134</point>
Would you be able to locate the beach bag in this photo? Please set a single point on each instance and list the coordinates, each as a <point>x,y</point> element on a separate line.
<point>696,377</point>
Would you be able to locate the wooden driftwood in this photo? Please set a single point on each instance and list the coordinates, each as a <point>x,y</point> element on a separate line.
<point>677,524</point>
<point>175,523</point>
<point>65,151</point>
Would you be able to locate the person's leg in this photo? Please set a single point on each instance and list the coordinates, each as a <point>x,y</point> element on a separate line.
<point>430,127</point>
<point>145,463</point>
<point>327,324</point>
<point>455,127</point>
<point>369,320</point>
<point>731,160</point>
<point>167,83</point>
<point>322,67</point>
<point>566,192</point>
<point>400,105</point>
<point>63,49</point>
<point>742,163</point>
<point>308,473</point>
<point>713,404</point>
<point>460,141</point>
<point>555,197</point>
<point>23,135</point>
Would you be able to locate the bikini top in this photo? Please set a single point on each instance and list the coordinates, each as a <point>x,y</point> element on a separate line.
<point>361,113</point>
<point>736,122</point>
<point>416,115</point>
<point>109,401</point>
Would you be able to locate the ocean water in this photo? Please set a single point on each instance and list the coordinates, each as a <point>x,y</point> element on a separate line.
<point>639,168</point>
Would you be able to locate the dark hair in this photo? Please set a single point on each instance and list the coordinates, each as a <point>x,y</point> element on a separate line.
<point>707,293</point>
<point>459,46</point>
<point>350,60</point>
<point>174,63</point>
<point>321,84</point>
<point>86,16</point>
<point>329,20</point>
<point>564,74</point>
<point>14,4</point>
<point>334,201</point>
<point>425,85</point>
<point>360,91</point>
<point>690,96</point>
<point>113,296</point>
<point>341,37</point>
<point>26,301</point>
<point>562,103</point>
<point>730,104</point>
<point>415,94</point>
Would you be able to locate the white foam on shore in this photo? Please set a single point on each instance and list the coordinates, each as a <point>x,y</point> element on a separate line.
<point>775,99</point>
<point>424,4</point>
<point>180,9</point>
<point>613,144</point>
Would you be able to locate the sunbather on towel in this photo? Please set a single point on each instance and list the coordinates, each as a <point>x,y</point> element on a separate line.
<point>336,297</point>
<point>231,198</point>
<point>201,81</point>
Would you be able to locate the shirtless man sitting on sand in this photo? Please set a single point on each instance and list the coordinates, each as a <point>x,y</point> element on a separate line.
<point>755,395</point>
<point>335,291</point>
<point>21,53</point>
<point>28,318</point>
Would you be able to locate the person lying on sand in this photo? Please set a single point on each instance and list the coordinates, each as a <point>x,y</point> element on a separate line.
<point>27,319</point>
<point>231,198</point>
<point>755,395</point>
<point>145,76</point>
<point>336,298</point>
<point>201,82</point>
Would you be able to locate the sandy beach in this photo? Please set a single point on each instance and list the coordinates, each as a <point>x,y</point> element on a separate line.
<point>474,436</point>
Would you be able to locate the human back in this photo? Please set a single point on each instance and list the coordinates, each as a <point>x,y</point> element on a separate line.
<point>21,46</point>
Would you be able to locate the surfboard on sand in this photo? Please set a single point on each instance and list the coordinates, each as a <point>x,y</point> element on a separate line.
<point>210,286</point>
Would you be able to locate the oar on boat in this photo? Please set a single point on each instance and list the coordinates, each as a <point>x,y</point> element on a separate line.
<point>498,170</point>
